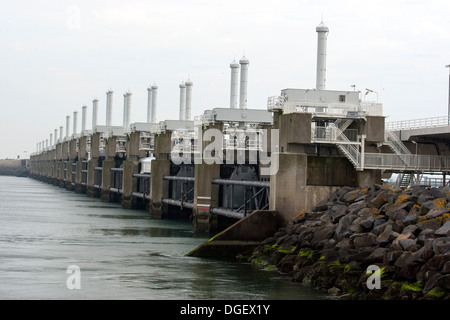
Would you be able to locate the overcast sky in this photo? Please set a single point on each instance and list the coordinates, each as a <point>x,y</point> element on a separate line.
<point>56,56</point>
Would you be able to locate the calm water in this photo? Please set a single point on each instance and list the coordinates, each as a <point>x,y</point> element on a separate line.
<point>122,254</point>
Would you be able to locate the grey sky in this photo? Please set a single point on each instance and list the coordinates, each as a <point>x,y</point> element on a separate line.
<point>56,56</point>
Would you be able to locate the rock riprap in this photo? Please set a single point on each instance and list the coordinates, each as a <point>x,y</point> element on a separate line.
<point>405,233</point>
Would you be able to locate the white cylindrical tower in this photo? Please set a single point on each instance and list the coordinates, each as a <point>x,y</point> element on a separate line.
<point>67,126</point>
<point>154,102</point>
<point>61,128</point>
<point>46,143</point>
<point>128,116</point>
<point>149,105</point>
<point>189,85</point>
<point>109,97</point>
<point>94,112</point>
<point>51,139</point>
<point>244,82</point>
<point>234,85</point>
<point>75,122</point>
<point>125,105</point>
<point>182,115</point>
<point>83,118</point>
<point>321,76</point>
<point>56,136</point>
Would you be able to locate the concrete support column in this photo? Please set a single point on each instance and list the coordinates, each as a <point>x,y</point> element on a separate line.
<point>160,167</point>
<point>288,186</point>
<point>206,194</point>
<point>82,156</point>
<point>159,188</point>
<point>93,162</point>
<point>70,183</point>
<point>130,167</point>
<point>64,168</point>
<point>54,162</point>
<point>107,177</point>
<point>58,165</point>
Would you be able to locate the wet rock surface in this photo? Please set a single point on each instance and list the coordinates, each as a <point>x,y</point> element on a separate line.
<point>405,233</point>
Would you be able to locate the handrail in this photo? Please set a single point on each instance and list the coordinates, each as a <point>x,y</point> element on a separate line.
<point>392,161</point>
<point>433,122</point>
<point>321,107</point>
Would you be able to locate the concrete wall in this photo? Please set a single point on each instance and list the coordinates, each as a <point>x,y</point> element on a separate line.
<point>330,171</point>
<point>295,129</point>
<point>14,167</point>
<point>375,129</point>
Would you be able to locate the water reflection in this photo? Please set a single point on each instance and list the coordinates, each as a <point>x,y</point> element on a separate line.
<point>122,254</point>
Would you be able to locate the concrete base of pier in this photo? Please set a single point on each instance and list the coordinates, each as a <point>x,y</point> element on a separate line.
<point>240,238</point>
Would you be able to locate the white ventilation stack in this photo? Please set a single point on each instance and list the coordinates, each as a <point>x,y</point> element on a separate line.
<point>61,133</point>
<point>56,136</point>
<point>244,82</point>
<point>149,105</point>
<point>154,102</point>
<point>109,97</point>
<point>128,115</point>
<point>67,126</point>
<point>83,119</point>
<point>182,115</point>
<point>94,112</point>
<point>51,139</point>
<point>189,85</point>
<point>75,122</point>
<point>125,106</point>
<point>234,85</point>
<point>321,75</point>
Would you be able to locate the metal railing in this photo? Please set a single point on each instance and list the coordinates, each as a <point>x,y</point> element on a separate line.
<point>243,139</point>
<point>416,162</point>
<point>117,180</point>
<point>121,144</point>
<point>255,197</point>
<point>98,177</point>
<point>182,191</point>
<point>143,186</point>
<point>433,122</point>
<point>325,134</point>
<point>146,141</point>
<point>327,108</point>
<point>84,172</point>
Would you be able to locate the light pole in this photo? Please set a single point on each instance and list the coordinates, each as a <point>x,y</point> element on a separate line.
<point>448,113</point>
<point>373,91</point>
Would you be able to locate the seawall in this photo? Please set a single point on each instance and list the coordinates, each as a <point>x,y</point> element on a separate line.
<point>402,233</point>
<point>14,167</point>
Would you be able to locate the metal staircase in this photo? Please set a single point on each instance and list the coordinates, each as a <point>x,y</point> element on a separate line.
<point>400,160</point>
<point>347,147</point>
<point>403,180</point>
<point>397,146</point>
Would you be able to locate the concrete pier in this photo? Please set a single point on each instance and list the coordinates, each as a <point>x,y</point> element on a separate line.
<point>160,167</point>
<point>206,194</point>
<point>130,167</point>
